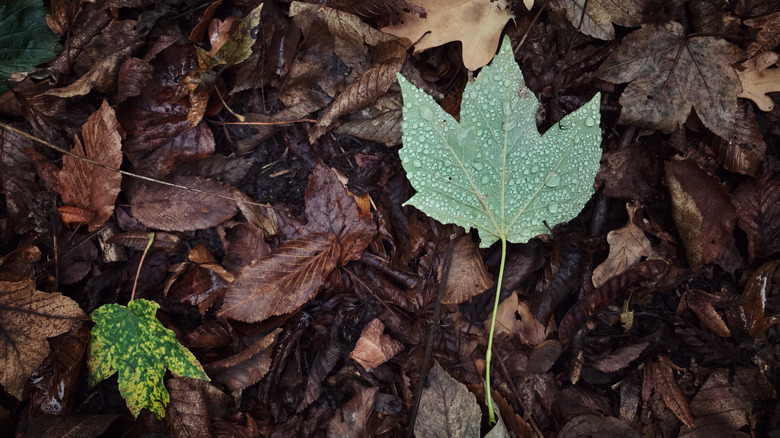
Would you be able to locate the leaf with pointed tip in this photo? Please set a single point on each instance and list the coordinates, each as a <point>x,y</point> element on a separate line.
<point>493,171</point>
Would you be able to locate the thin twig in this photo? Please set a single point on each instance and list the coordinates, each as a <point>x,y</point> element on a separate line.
<point>141,263</point>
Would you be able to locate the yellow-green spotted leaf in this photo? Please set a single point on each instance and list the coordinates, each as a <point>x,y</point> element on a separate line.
<point>493,171</point>
<point>132,342</point>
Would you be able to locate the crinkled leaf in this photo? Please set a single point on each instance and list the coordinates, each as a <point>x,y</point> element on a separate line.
<point>132,342</point>
<point>670,73</point>
<point>85,185</point>
<point>600,14</point>
<point>758,80</point>
<point>27,318</point>
<point>447,408</point>
<point>627,246</point>
<point>25,38</point>
<point>374,347</point>
<point>493,171</point>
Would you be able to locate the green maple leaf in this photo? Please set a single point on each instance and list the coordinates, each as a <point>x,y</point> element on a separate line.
<point>131,341</point>
<point>25,38</point>
<point>493,171</point>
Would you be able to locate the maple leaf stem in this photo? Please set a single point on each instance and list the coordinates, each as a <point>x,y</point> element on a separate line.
<point>141,263</point>
<point>489,354</point>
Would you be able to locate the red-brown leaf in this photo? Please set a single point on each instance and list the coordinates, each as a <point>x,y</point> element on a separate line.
<point>174,209</point>
<point>85,185</point>
<point>758,210</point>
<point>374,348</point>
<point>702,305</point>
<point>663,382</point>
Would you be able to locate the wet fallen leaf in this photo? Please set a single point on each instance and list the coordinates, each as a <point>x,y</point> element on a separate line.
<point>187,414</point>
<point>374,347</point>
<point>768,35</point>
<point>336,232</point>
<point>758,211</point>
<point>627,246</point>
<point>594,425</point>
<point>702,304</point>
<point>702,211</point>
<point>169,208</point>
<point>758,79</point>
<point>89,187</point>
<point>744,151</point>
<point>447,408</point>
<point>247,367</point>
<point>620,358</point>
<point>671,73</point>
<point>468,274</point>
<point>598,16</point>
<point>477,24</point>
<point>661,378</point>
<point>27,318</point>
<point>759,286</point>
<point>81,425</point>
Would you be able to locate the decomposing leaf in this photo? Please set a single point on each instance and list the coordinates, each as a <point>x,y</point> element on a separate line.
<point>758,213</point>
<point>133,76</point>
<point>74,425</point>
<point>493,171</point>
<point>702,211</point>
<point>132,342</point>
<point>726,401</point>
<point>26,40</point>
<point>670,73</point>
<point>468,274</point>
<point>169,208</point>
<point>543,356</point>
<point>27,318</point>
<point>374,348</point>
<point>247,367</point>
<point>758,79</point>
<point>768,36</point>
<point>660,377</point>
<point>337,231</point>
<point>627,246</point>
<point>744,151</point>
<point>477,24</point>
<point>447,408</point>
<point>702,304</point>
<point>759,286</point>
<point>86,186</point>
<point>350,420</point>
<point>187,413</point>
<point>599,15</point>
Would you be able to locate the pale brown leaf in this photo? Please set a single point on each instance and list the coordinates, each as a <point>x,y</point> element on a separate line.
<point>758,79</point>
<point>447,408</point>
<point>350,420</point>
<point>27,318</point>
<point>374,348</point>
<point>174,209</point>
<point>670,74</point>
<point>477,24</point>
<point>469,276</point>
<point>85,185</point>
<point>627,246</point>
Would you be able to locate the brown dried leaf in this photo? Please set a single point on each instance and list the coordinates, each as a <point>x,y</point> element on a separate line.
<point>447,408</point>
<point>671,73</point>
<point>600,14</point>
<point>79,425</point>
<point>469,276</point>
<point>27,318</point>
<point>247,367</point>
<point>85,185</point>
<point>768,36</point>
<point>173,209</point>
<point>371,85</point>
<point>477,24</point>
<point>702,211</point>
<point>620,358</point>
<point>726,400</point>
<point>627,246</point>
<point>543,356</point>
<point>702,305</point>
<point>756,291</point>
<point>350,420</point>
<point>758,80</point>
<point>758,210</point>
<point>662,380</point>
<point>374,348</point>
<point>336,232</point>
<point>376,8</point>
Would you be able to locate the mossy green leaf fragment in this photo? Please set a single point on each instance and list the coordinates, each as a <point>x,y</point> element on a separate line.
<point>25,38</point>
<point>132,342</point>
<point>493,171</point>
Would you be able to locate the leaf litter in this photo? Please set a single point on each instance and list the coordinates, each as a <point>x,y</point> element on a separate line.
<point>704,304</point>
